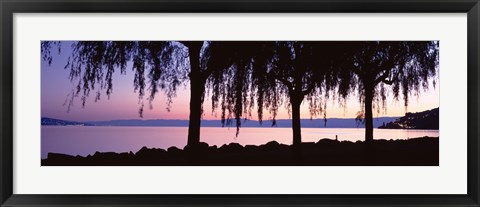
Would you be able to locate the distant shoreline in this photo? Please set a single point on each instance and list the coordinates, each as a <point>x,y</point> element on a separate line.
<point>428,120</point>
<point>233,127</point>
<point>281,123</point>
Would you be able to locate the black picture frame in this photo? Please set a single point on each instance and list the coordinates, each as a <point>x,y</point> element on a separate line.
<point>9,7</point>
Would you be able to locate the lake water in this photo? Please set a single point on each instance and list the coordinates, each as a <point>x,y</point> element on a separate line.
<point>80,140</point>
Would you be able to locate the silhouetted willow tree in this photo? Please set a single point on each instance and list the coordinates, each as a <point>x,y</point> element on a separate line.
<point>269,75</point>
<point>158,65</point>
<point>243,74</point>
<point>402,67</point>
<point>297,70</point>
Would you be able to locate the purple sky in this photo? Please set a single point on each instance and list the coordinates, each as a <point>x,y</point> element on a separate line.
<point>124,103</point>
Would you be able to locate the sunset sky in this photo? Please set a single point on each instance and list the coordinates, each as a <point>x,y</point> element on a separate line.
<point>124,103</point>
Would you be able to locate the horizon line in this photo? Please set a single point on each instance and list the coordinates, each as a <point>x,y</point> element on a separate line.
<point>246,119</point>
<point>206,119</point>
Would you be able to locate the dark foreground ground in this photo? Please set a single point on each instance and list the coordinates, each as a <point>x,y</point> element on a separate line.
<point>326,152</point>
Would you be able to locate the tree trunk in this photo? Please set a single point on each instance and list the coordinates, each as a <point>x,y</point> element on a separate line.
<point>197,88</point>
<point>368,113</point>
<point>296,127</point>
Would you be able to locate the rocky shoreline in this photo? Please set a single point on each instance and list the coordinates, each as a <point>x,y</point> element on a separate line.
<point>422,151</point>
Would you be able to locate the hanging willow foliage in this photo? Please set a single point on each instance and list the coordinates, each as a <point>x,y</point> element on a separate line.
<point>242,75</point>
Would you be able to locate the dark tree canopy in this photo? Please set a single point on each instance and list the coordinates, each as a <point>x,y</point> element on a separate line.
<point>266,75</point>
<point>164,66</point>
<point>238,66</point>
<point>402,67</point>
<point>242,75</point>
<point>157,66</point>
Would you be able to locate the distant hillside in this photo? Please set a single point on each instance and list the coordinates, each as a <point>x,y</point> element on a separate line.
<point>421,120</point>
<point>283,123</point>
<point>58,122</point>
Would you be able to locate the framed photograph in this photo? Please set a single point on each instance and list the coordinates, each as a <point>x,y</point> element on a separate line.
<point>196,103</point>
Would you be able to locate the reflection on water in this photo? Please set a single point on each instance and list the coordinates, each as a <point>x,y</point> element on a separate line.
<point>79,140</point>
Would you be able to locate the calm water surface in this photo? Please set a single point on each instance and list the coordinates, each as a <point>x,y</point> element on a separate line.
<point>80,140</point>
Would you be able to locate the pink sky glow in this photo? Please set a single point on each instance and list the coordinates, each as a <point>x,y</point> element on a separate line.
<point>124,103</point>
